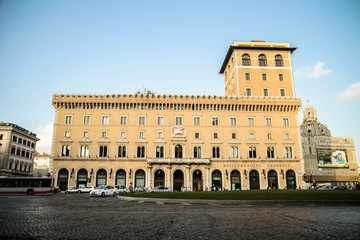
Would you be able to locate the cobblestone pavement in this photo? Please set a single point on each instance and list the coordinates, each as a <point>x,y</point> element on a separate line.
<point>77,216</point>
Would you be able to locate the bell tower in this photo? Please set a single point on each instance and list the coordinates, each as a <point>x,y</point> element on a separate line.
<point>309,113</point>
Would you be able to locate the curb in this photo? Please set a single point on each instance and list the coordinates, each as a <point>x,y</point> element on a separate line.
<point>239,202</point>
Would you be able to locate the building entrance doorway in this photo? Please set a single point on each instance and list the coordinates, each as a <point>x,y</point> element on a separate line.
<point>235,180</point>
<point>63,178</point>
<point>178,180</point>
<point>290,180</point>
<point>159,178</point>
<point>197,181</point>
<point>272,179</point>
<point>82,178</point>
<point>216,180</point>
<point>120,178</point>
<point>140,179</point>
<point>254,179</point>
<point>101,177</point>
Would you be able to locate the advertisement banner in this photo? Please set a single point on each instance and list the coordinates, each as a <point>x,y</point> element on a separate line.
<point>333,158</point>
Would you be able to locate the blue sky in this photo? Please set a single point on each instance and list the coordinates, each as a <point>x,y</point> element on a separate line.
<point>171,47</point>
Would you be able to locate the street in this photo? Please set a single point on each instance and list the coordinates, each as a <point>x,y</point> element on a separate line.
<point>77,216</point>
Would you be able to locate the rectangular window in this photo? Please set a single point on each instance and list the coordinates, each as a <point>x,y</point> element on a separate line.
<point>68,119</point>
<point>233,135</point>
<point>196,121</point>
<point>252,136</point>
<point>28,143</point>
<point>104,134</point>
<point>285,122</point>
<point>24,142</point>
<point>251,122</point>
<point>266,92</point>
<point>268,122</point>
<point>233,121</point>
<point>197,135</point>
<point>19,140</point>
<point>178,120</point>
<point>287,136</point>
<point>216,135</point>
<point>18,151</point>
<point>160,135</point>
<point>282,92</point>
<point>141,135</point>
<point>122,134</point>
<point>160,120</point>
<point>247,76</point>
<point>13,150</point>
<point>85,134</point>
<point>14,138</point>
<point>281,77</point>
<point>248,92</point>
<point>67,134</point>
<point>1,137</point>
<point>215,121</point>
<point>142,120</point>
<point>269,136</point>
<point>105,119</point>
<point>87,119</point>
<point>264,78</point>
<point>123,120</point>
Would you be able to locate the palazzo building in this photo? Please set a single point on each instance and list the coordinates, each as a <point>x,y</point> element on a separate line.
<point>328,160</point>
<point>17,150</point>
<point>247,139</point>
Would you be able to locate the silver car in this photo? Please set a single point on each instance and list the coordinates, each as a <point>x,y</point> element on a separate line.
<point>160,189</point>
<point>86,189</point>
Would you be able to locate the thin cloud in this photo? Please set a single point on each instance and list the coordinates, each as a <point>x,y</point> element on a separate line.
<point>352,93</point>
<point>45,134</point>
<point>316,71</point>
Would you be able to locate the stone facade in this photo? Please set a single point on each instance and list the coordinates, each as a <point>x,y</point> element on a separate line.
<point>41,164</point>
<point>17,148</point>
<point>328,160</point>
<point>247,139</point>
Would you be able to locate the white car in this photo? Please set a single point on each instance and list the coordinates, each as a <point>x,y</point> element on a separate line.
<point>121,189</point>
<point>161,189</point>
<point>103,191</point>
<point>86,189</point>
<point>73,190</point>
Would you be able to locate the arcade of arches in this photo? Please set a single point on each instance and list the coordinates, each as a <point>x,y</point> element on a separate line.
<point>180,178</point>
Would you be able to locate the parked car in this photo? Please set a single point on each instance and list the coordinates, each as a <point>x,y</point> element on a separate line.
<point>73,190</point>
<point>121,189</point>
<point>161,189</point>
<point>86,189</point>
<point>103,191</point>
<point>329,187</point>
<point>340,188</point>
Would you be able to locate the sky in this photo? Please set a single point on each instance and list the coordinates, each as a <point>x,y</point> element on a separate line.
<point>171,47</point>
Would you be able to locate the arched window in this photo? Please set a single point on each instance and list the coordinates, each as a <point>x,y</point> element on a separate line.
<point>197,152</point>
<point>246,60</point>
<point>84,151</point>
<point>65,151</point>
<point>140,179</point>
<point>216,180</point>
<point>270,152</point>
<point>178,151</point>
<point>272,179</point>
<point>140,151</point>
<point>159,152</point>
<point>279,61</point>
<point>122,151</point>
<point>290,179</point>
<point>262,60</point>
<point>216,152</point>
<point>82,177</point>
<point>252,152</point>
<point>234,152</point>
<point>288,152</point>
<point>103,151</point>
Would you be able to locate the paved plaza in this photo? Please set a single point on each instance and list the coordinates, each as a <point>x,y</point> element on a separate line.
<point>78,216</point>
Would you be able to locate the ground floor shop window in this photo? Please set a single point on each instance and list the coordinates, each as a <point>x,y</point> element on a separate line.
<point>101,177</point>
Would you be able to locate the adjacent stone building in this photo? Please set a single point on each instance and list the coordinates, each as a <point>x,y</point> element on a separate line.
<point>17,148</point>
<point>247,139</point>
<point>328,160</point>
<point>41,164</point>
